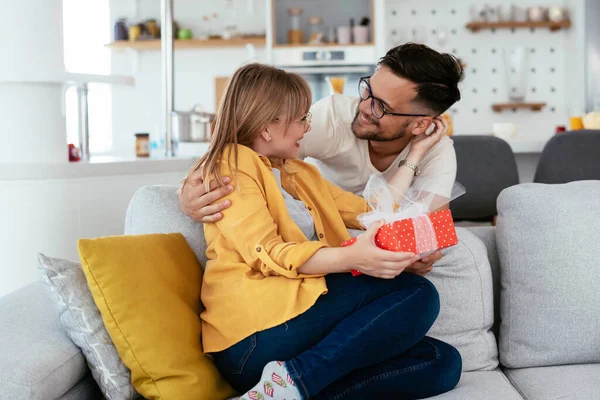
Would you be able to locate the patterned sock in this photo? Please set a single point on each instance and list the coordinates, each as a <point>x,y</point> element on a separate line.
<point>275,383</point>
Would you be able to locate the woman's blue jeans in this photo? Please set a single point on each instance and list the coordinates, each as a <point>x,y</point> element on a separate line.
<point>364,339</point>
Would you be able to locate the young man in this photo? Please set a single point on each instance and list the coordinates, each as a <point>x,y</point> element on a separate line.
<point>381,130</point>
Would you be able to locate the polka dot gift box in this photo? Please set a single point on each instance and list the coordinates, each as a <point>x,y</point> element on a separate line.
<point>421,235</point>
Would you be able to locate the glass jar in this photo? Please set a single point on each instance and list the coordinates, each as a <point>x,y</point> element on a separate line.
<point>142,144</point>
<point>230,21</point>
<point>515,60</point>
<point>121,32</point>
<point>336,84</point>
<point>295,33</point>
<point>331,36</point>
<point>316,30</point>
<point>448,119</point>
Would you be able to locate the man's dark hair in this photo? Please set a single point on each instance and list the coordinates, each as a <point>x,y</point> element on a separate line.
<point>436,74</point>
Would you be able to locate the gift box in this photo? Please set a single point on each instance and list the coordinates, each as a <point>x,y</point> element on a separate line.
<point>411,225</point>
<point>422,235</point>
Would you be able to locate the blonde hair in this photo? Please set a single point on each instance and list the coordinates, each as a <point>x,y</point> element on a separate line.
<point>257,94</point>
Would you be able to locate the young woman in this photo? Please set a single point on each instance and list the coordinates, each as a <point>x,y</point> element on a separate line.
<point>283,316</point>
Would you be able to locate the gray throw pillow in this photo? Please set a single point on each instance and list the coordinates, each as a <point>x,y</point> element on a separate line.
<point>548,237</point>
<point>463,278</point>
<point>82,321</point>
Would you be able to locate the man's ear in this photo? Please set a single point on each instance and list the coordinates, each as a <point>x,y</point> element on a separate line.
<point>421,125</point>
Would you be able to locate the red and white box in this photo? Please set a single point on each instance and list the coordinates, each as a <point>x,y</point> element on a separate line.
<point>423,235</point>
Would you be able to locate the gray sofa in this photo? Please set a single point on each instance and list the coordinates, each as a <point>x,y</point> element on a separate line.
<point>548,338</point>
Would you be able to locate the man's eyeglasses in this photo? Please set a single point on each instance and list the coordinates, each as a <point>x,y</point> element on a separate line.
<point>377,108</point>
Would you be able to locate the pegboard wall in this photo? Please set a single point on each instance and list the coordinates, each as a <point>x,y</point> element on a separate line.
<point>485,73</point>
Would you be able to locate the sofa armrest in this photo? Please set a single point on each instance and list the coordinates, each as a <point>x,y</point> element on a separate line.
<point>37,360</point>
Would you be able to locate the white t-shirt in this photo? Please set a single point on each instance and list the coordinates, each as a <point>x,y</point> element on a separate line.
<point>344,160</point>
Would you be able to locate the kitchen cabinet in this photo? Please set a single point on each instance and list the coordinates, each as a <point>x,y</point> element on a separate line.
<point>154,45</point>
<point>333,13</point>
<point>318,61</point>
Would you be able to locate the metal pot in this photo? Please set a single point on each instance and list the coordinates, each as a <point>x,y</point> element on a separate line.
<point>192,126</point>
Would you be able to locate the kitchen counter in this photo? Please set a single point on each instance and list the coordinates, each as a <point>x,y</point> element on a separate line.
<point>108,165</point>
<point>97,166</point>
<point>113,165</point>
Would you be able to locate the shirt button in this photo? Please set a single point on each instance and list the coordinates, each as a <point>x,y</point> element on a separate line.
<point>258,249</point>
<point>321,236</point>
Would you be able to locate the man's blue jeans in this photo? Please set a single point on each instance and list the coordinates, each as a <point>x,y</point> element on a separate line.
<point>362,340</point>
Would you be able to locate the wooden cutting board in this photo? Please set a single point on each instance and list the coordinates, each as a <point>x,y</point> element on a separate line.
<point>220,86</point>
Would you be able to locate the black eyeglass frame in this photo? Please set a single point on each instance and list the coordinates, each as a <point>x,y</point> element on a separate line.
<point>365,79</point>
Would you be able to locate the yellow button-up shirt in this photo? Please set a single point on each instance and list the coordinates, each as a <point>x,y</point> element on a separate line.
<point>251,281</point>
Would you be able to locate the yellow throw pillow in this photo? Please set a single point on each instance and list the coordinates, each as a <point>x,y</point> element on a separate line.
<point>147,288</point>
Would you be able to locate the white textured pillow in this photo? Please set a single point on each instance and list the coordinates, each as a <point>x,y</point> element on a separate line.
<point>82,320</point>
<point>463,278</point>
<point>548,237</point>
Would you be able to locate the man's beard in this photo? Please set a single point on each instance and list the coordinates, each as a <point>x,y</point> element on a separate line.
<point>375,136</point>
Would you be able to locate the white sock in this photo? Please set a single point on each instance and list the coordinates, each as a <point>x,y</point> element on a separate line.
<point>275,383</point>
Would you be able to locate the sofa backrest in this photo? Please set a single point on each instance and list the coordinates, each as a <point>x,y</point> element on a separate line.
<point>478,158</point>
<point>570,157</point>
<point>155,209</point>
<point>547,237</point>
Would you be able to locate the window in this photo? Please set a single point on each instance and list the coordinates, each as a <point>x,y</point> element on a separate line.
<point>86,29</point>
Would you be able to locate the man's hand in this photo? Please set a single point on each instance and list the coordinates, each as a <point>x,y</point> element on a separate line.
<point>196,202</point>
<point>425,265</point>
<point>422,143</point>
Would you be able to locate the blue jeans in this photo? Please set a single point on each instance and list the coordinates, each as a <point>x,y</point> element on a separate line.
<point>365,338</point>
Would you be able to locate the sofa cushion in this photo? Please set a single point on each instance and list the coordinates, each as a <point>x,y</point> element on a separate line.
<point>155,209</point>
<point>547,238</point>
<point>463,279</point>
<point>487,234</point>
<point>488,385</point>
<point>37,358</point>
<point>147,288</point>
<point>81,319</point>
<point>558,382</point>
<point>85,389</point>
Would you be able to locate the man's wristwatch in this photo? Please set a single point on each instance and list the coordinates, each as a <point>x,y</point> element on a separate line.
<point>410,165</point>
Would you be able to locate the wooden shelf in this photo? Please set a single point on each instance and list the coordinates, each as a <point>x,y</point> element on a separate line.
<point>307,45</point>
<point>553,26</point>
<point>151,45</point>
<point>515,106</point>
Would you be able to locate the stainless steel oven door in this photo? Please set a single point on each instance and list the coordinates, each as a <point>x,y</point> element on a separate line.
<point>328,80</point>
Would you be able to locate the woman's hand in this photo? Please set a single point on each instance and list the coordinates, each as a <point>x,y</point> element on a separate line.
<point>422,143</point>
<point>371,260</point>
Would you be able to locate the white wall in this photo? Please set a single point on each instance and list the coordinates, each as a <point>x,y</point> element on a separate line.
<point>554,62</point>
<point>31,72</point>
<point>49,216</point>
